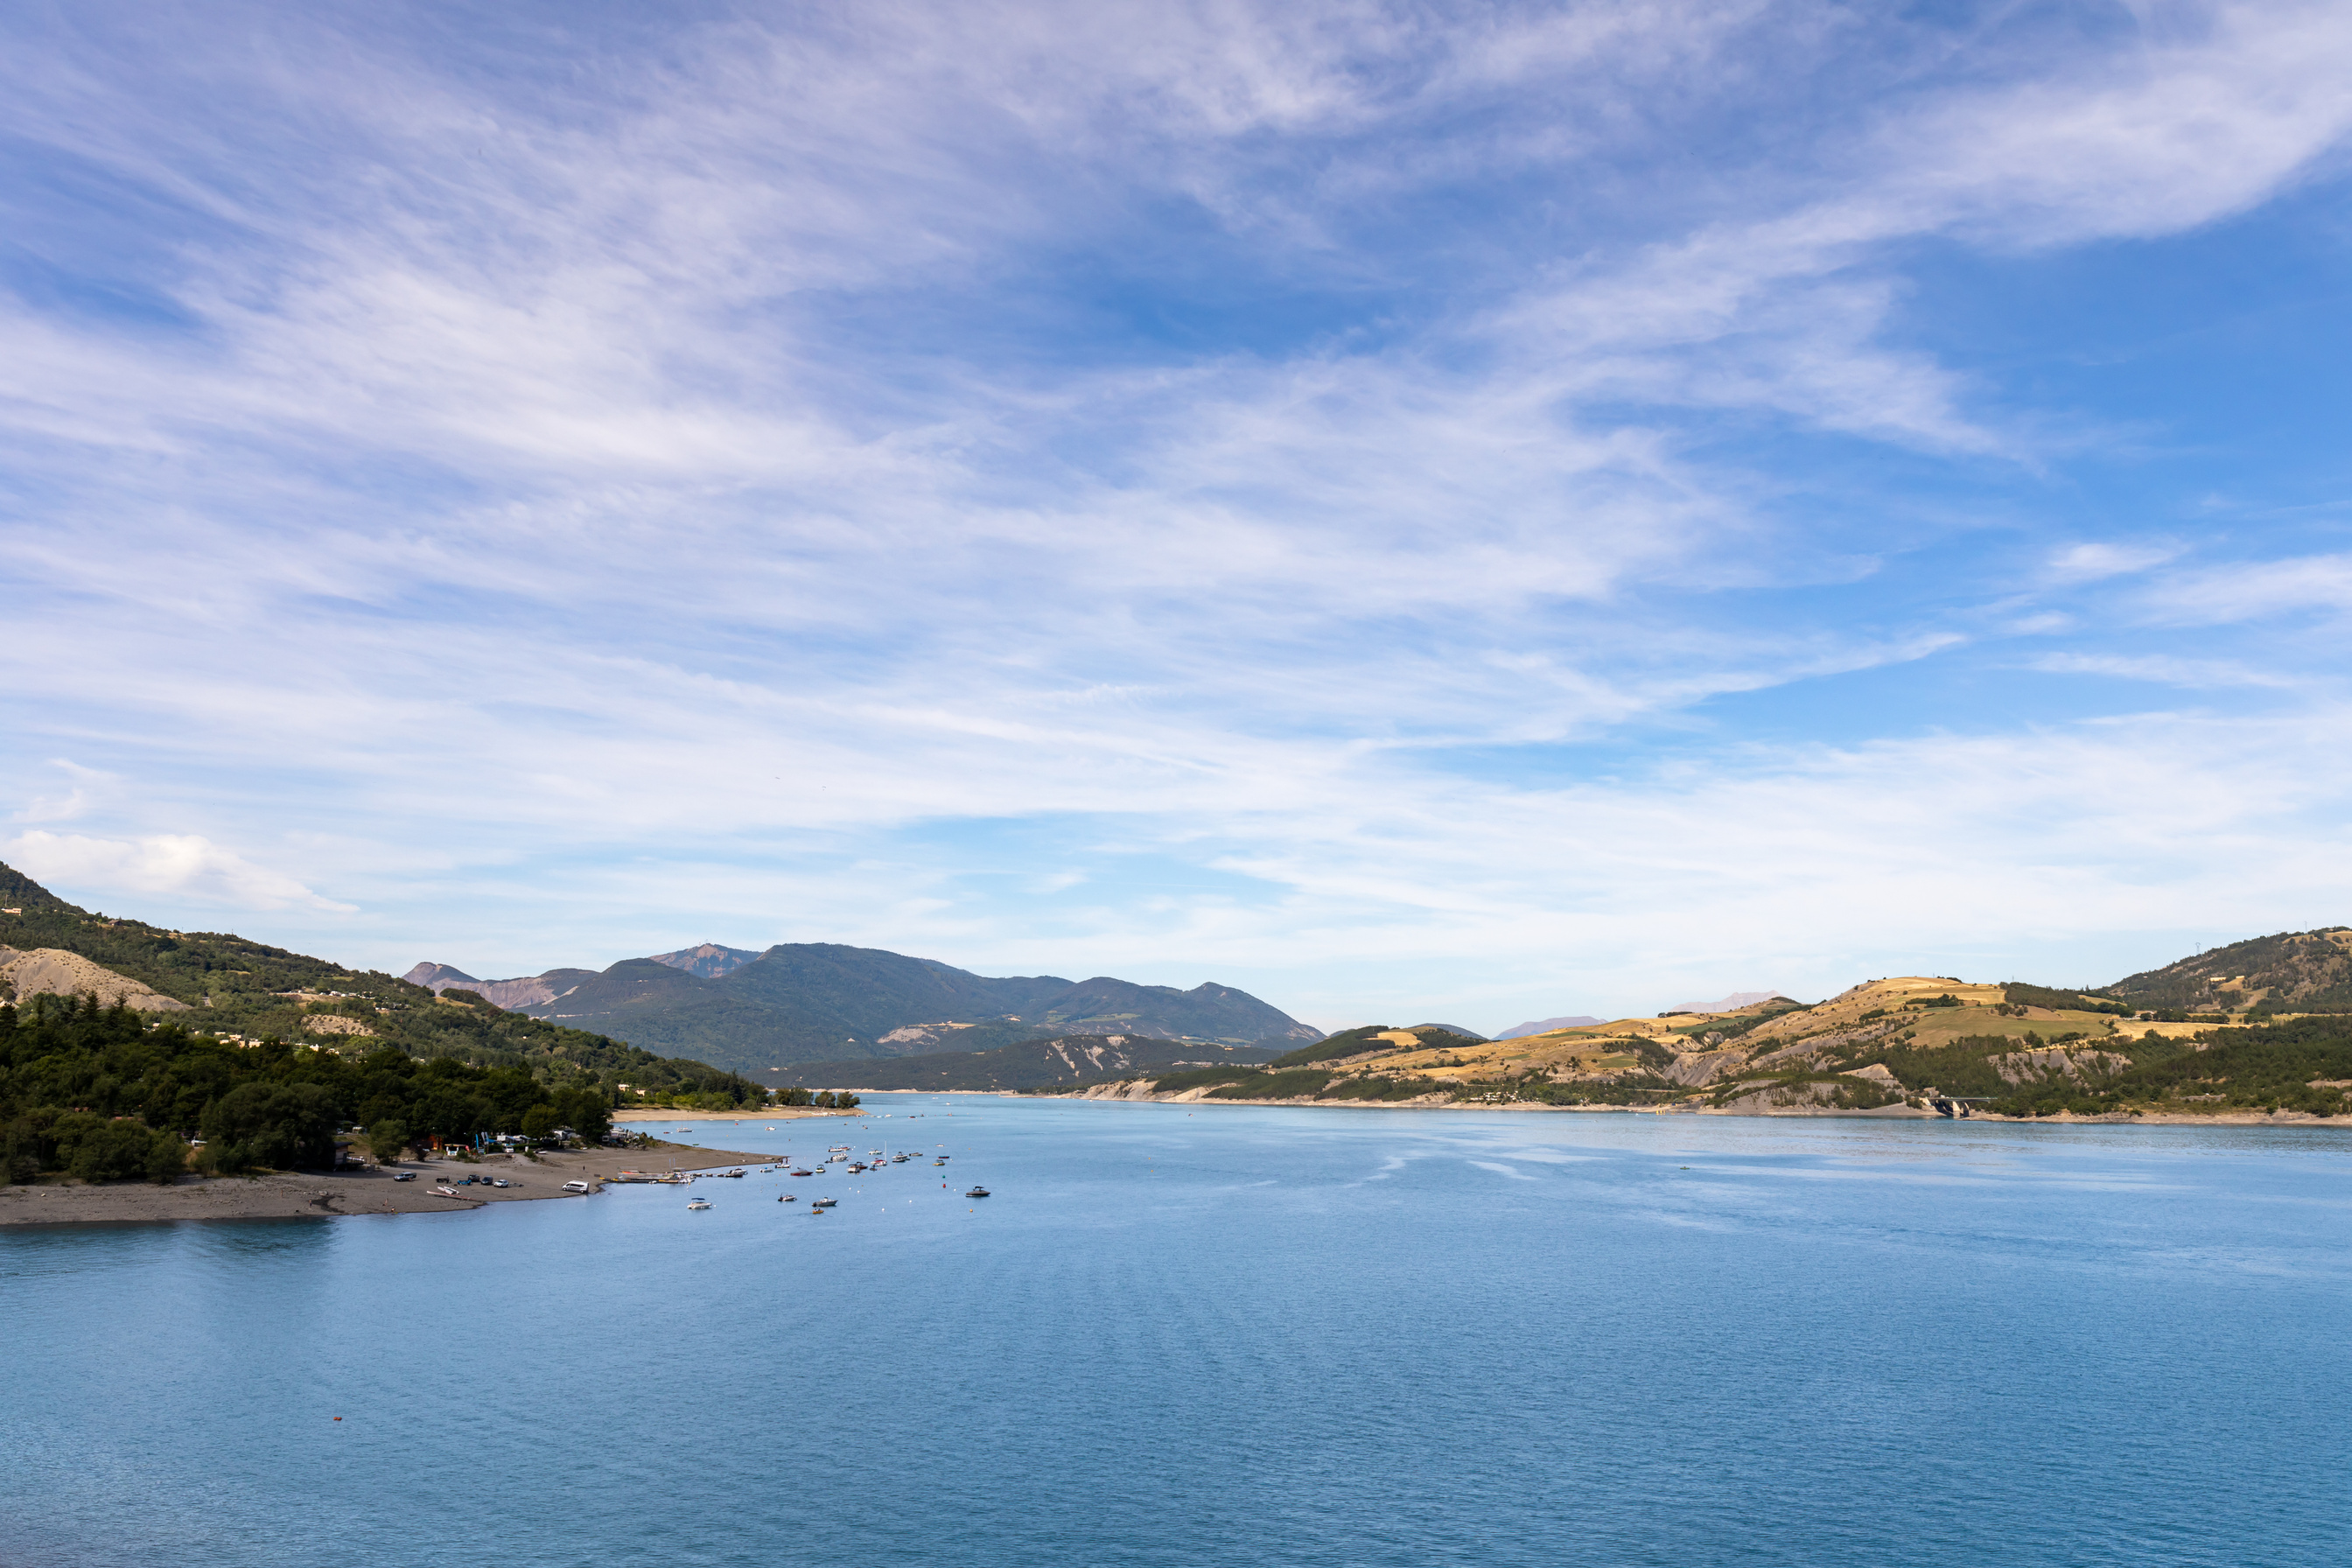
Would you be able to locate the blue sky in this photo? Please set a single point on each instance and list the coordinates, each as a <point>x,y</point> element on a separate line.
<point>1465,512</point>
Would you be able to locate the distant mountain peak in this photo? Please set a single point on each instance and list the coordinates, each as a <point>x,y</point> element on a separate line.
<point>1545,1025</point>
<point>709,961</point>
<point>529,991</point>
<point>1731,1004</point>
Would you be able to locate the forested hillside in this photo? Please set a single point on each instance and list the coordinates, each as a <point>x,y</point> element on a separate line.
<point>2292,972</point>
<point>261,1015</point>
<point>824,1001</point>
<point>107,1094</point>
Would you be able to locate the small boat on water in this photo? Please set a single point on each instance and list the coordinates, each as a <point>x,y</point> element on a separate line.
<point>804,1173</point>
<point>825,1202</point>
<point>977,1193</point>
<point>856,1170</point>
<point>699,1204</point>
<point>784,1197</point>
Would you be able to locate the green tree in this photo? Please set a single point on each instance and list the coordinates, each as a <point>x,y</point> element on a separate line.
<point>539,1121</point>
<point>167,1160</point>
<point>118,1151</point>
<point>284,1125</point>
<point>386,1138</point>
<point>585,1111</point>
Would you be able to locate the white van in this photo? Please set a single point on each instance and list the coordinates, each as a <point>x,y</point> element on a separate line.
<point>577,1187</point>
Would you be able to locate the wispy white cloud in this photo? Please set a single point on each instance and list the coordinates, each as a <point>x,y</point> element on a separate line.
<point>176,866</point>
<point>2092,563</point>
<point>86,787</point>
<point>2192,674</point>
<point>2246,590</point>
<point>747,445</point>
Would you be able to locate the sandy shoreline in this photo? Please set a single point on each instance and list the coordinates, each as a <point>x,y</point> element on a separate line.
<point>320,1194</point>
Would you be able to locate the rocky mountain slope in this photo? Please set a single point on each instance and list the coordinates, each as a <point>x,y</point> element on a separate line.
<point>709,961</point>
<point>823,1001</point>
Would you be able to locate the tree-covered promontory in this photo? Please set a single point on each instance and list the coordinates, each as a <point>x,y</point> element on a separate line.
<point>109,1094</point>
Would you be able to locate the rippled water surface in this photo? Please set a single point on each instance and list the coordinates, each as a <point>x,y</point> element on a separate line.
<point>1233,1336</point>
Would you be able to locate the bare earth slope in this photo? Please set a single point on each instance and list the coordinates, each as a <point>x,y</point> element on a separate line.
<point>53,971</point>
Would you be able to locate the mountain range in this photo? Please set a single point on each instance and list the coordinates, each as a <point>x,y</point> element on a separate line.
<point>1030,1064</point>
<point>823,1001</point>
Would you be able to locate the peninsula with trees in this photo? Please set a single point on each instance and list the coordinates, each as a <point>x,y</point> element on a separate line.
<point>129,1052</point>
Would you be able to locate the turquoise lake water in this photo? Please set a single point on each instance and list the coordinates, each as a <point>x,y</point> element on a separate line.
<point>1233,1336</point>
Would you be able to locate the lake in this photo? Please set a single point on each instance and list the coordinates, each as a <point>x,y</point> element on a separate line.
<point>1221,1335</point>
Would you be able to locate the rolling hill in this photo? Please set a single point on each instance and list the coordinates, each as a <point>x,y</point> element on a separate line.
<point>1544,1025</point>
<point>1910,1045</point>
<point>2292,972</point>
<point>823,1001</point>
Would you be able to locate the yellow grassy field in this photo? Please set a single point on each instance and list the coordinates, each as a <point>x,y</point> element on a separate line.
<point>1581,1051</point>
<point>1600,1048</point>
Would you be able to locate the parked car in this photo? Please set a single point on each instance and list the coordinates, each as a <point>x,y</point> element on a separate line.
<point>404,1175</point>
